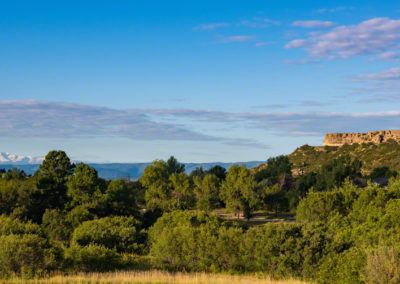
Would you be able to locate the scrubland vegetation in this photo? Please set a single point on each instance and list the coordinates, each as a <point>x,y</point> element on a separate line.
<point>65,219</point>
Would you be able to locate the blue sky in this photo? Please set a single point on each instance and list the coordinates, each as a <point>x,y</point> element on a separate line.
<point>132,81</point>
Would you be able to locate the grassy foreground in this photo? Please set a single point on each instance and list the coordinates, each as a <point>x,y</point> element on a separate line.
<point>153,277</point>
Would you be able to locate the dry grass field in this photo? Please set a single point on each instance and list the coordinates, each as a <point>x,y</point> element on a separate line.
<point>153,277</point>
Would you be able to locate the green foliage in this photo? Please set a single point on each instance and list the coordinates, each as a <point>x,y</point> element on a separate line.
<point>119,233</point>
<point>24,251</point>
<point>193,241</point>
<point>238,191</point>
<point>311,159</point>
<point>16,196</point>
<point>334,172</point>
<point>174,167</point>
<point>319,206</point>
<point>383,266</point>
<point>51,182</point>
<point>119,199</point>
<point>156,180</point>
<point>275,199</point>
<point>218,171</point>
<point>207,192</point>
<point>276,168</point>
<point>14,226</point>
<point>22,255</point>
<point>182,192</point>
<point>346,267</point>
<point>382,172</point>
<point>92,257</point>
<point>272,248</point>
<point>64,218</point>
<point>84,185</point>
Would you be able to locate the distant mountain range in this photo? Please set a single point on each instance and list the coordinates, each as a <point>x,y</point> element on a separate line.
<point>108,171</point>
<point>7,158</point>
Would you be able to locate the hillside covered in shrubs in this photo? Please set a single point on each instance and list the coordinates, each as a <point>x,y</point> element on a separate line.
<point>308,158</point>
<point>66,218</point>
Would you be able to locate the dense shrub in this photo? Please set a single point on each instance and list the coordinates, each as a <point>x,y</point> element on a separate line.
<point>10,225</point>
<point>26,255</point>
<point>272,248</point>
<point>119,233</point>
<point>194,241</point>
<point>383,266</point>
<point>92,257</point>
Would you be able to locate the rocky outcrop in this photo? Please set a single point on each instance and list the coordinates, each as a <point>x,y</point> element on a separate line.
<point>376,137</point>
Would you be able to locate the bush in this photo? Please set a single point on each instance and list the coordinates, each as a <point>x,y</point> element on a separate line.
<point>10,225</point>
<point>25,256</point>
<point>383,266</point>
<point>272,248</point>
<point>92,257</point>
<point>194,241</point>
<point>120,233</point>
<point>342,268</point>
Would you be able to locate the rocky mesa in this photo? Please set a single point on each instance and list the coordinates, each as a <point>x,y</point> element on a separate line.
<point>376,137</point>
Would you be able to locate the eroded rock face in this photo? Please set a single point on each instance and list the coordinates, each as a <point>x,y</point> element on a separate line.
<point>376,137</point>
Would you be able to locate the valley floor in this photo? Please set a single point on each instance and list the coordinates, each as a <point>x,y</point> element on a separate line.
<point>153,277</point>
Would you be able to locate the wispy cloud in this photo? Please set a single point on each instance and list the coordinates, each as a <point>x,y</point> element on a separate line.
<point>369,37</point>
<point>377,87</point>
<point>301,61</point>
<point>259,23</point>
<point>237,38</point>
<point>38,119</point>
<point>390,55</point>
<point>211,26</point>
<point>313,24</point>
<point>334,9</point>
<point>264,43</point>
<point>64,120</point>
<point>391,74</point>
<point>297,123</point>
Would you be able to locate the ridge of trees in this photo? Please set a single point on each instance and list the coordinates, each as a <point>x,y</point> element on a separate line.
<point>66,218</point>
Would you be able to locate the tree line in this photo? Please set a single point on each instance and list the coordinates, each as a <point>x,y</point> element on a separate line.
<point>66,218</point>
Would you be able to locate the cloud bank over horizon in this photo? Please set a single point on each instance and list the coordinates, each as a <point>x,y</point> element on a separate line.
<point>46,120</point>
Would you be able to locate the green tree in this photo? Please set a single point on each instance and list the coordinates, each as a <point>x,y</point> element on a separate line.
<point>218,171</point>
<point>238,191</point>
<point>119,199</point>
<point>85,185</point>
<point>174,167</point>
<point>207,192</point>
<point>275,199</point>
<point>333,173</point>
<point>51,182</point>
<point>276,168</point>
<point>182,192</point>
<point>156,181</point>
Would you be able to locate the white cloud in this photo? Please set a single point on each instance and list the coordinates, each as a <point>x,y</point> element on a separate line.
<point>211,26</point>
<point>38,119</point>
<point>373,36</point>
<point>380,87</point>
<point>49,120</point>
<point>264,43</point>
<point>237,38</point>
<point>390,55</point>
<point>333,10</point>
<point>313,24</point>
<point>391,74</point>
<point>301,61</point>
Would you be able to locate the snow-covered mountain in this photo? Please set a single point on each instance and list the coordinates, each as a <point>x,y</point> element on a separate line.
<point>7,158</point>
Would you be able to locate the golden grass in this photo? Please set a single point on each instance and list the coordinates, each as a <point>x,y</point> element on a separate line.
<point>153,277</point>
